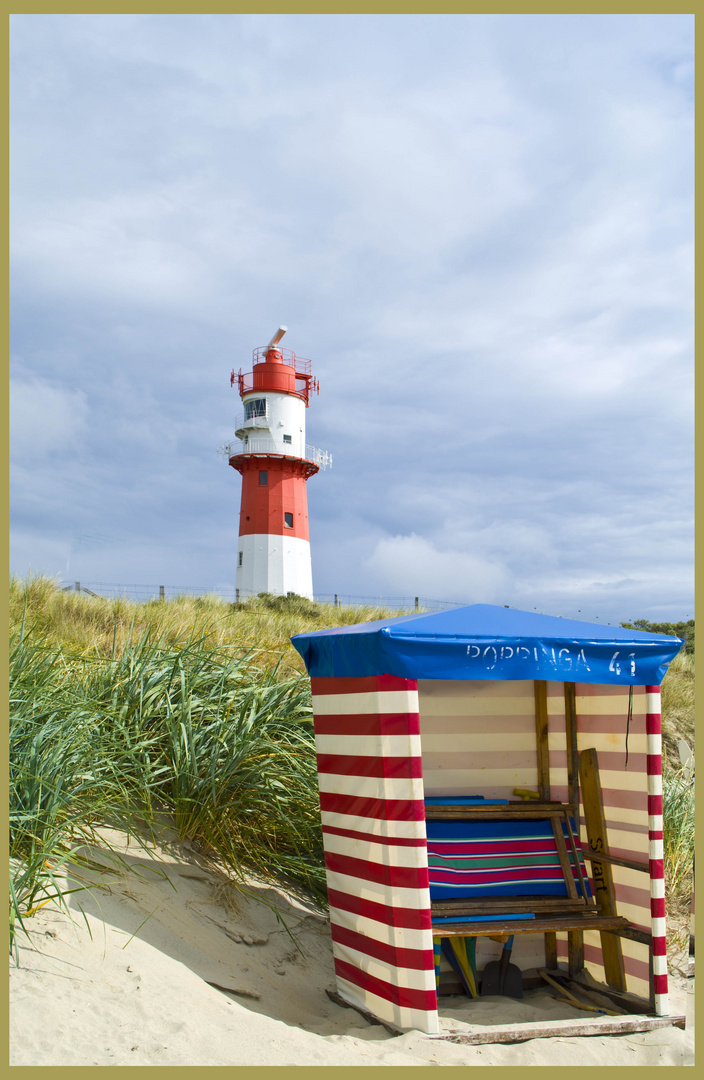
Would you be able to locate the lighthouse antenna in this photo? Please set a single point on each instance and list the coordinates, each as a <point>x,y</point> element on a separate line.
<point>277,337</point>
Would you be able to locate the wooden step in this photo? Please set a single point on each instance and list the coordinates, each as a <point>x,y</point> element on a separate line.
<point>488,905</point>
<point>521,810</point>
<point>541,925</point>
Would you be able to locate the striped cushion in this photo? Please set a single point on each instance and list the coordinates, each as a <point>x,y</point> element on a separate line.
<point>495,858</point>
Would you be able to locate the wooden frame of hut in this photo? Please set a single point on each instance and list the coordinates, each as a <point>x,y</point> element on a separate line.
<point>483,715</point>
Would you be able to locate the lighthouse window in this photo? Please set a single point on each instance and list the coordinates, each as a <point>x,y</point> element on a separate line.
<point>288,521</point>
<point>287,438</point>
<point>239,561</point>
<point>256,407</point>
<point>263,478</point>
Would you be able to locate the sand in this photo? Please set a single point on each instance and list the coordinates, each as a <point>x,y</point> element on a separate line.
<point>170,964</point>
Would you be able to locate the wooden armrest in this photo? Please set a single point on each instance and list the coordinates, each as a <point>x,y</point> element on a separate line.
<point>488,905</point>
<point>520,810</point>
<point>541,925</point>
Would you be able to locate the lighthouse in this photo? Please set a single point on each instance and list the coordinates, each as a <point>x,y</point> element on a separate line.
<point>273,553</point>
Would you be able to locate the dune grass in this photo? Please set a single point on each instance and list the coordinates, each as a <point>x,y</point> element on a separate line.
<point>197,711</point>
<point>193,710</point>
<point>223,747</point>
<point>263,625</point>
<point>678,832</point>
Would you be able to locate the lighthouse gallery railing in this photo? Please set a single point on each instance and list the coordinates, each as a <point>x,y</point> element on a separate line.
<point>321,458</point>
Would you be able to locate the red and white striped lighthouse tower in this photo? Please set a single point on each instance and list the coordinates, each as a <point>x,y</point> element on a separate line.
<point>274,549</point>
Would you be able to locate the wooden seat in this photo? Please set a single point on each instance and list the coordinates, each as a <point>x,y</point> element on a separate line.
<point>539,925</point>
<point>570,908</point>
<point>485,863</point>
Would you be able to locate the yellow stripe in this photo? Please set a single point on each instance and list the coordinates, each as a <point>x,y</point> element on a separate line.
<point>612,705</point>
<point>409,978</point>
<point>407,830</point>
<point>372,787</point>
<point>401,937</point>
<point>384,854</point>
<point>414,899</point>
<point>382,701</point>
<point>479,782</point>
<point>443,742</point>
<point>369,745</point>
<point>427,1022</point>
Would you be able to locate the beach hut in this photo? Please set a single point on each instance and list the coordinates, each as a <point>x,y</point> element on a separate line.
<point>490,775</point>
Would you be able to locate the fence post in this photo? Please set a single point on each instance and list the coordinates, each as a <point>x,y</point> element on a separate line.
<point>237,596</point>
<point>335,604</point>
<point>161,593</point>
<point>78,586</point>
<point>416,603</point>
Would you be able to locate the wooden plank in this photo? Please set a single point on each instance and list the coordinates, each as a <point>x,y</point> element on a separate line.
<point>477,907</point>
<point>487,904</point>
<point>598,843</point>
<point>583,890</point>
<point>575,938</point>
<point>529,926</point>
<point>513,806</point>
<point>556,822</point>
<point>575,952</point>
<point>633,1003</point>
<point>616,860</point>
<point>572,751</point>
<point>562,985</point>
<point>550,949</point>
<point>541,737</point>
<point>519,812</point>
<point>557,1029</point>
<point>632,932</point>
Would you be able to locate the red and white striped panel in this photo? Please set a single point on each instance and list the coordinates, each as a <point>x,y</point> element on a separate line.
<point>602,724</point>
<point>367,739</point>
<point>656,855</point>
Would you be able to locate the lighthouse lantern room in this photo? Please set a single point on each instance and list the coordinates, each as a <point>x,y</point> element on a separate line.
<point>275,463</point>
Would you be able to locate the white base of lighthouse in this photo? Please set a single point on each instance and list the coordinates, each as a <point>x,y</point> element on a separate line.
<point>273,564</point>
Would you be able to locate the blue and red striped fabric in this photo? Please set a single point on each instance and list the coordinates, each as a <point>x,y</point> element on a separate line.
<point>495,858</point>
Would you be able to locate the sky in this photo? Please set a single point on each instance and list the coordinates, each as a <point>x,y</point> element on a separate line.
<point>479,228</point>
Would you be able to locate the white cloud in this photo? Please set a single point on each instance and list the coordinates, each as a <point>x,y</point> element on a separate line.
<point>412,565</point>
<point>44,419</point>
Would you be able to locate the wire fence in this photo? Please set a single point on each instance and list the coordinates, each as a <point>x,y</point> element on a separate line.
<point>145,593</point>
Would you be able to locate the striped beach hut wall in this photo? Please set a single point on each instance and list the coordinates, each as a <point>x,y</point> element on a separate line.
<point>444,705</point>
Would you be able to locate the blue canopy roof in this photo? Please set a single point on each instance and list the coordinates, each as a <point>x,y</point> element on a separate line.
<point>486,642</point>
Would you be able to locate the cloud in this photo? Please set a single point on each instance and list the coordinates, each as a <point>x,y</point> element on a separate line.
<point>412,565</point>
<point>45,420</point>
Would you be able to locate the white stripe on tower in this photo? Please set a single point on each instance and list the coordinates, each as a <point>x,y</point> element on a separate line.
<point>371,797</point>
<point>657,867</point>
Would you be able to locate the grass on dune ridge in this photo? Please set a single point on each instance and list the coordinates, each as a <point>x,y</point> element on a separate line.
<point>193,711</point>
<point>80,623</point>
<point>196,711</point>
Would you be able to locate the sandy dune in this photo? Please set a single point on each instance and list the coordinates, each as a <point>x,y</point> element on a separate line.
<point>172,965</point>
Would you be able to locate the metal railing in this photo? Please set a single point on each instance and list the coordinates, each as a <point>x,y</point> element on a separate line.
<point>143,593</point>
<point>321,458</point>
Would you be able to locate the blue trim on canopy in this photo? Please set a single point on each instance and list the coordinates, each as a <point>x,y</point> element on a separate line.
<point>491,643</point>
